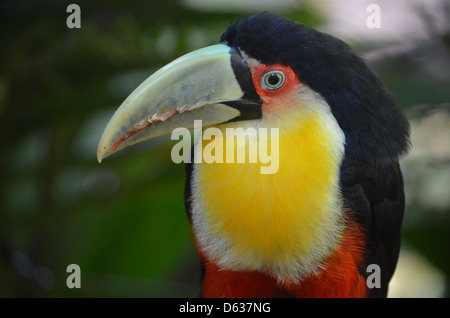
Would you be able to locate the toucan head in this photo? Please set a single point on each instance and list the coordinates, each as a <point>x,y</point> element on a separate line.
<point>263,66</point>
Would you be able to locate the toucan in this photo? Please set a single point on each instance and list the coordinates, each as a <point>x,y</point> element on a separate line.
<point>327,222</point>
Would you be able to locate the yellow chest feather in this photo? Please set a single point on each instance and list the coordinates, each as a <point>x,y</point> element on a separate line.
<point>284,222</point>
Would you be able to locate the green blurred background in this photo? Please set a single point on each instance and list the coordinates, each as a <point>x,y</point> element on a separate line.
<point>123,222</point>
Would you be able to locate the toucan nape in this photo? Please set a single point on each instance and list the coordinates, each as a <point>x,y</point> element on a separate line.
<point>331,213</point>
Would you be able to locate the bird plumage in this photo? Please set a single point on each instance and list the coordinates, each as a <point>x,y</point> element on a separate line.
<point>376,135</point>
<point>332,206</point>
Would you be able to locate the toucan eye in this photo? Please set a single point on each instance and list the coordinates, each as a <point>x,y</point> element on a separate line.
<point>272,80</point>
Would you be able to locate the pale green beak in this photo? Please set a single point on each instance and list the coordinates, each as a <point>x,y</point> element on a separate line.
<point>212,84</point>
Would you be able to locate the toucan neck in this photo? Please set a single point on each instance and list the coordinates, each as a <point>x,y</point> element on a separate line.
<point>285,223</point>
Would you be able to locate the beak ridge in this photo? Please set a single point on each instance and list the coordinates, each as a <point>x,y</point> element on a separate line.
<point>212,84</point>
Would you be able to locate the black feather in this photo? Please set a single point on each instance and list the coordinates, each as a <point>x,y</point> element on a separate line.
<point>376,200</point>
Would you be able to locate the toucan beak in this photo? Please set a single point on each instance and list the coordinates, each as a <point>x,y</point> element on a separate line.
<point>212,84</point>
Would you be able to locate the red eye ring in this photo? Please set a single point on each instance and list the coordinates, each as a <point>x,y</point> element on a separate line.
<point>264,89</point>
